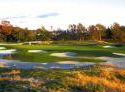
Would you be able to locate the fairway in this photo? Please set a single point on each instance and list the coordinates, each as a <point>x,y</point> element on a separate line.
<point>85,51</point>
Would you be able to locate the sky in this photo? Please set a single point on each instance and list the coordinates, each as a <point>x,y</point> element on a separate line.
<point>60,13</point>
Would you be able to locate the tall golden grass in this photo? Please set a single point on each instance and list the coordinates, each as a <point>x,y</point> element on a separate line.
<point>106,79</point>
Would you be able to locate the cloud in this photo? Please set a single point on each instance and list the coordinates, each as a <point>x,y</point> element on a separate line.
<point>37,16</point>
<point>13,17</point>
<point>47,15</point>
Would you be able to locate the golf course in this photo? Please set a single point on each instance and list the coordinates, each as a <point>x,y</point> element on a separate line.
<point>62,46</point>
<point>57,67</point>
<point>62,54</point>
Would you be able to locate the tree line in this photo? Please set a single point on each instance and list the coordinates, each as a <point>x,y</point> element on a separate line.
<point>98,32</point>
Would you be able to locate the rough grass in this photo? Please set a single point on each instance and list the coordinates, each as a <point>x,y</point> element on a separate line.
<point>95,79</point>
<point>98,78</point>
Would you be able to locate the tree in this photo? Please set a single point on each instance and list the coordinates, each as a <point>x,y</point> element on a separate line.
<point>42,34</point>
<point>72,32</point>
<point>81,32</point>
<point>116,31</point>
<point>32,35</point>
<point>92,31</point>
<point>72,28</point>
<point>6,30</point>
<point>108,34</point>
<point>100,31</point>
<point>122,34</point>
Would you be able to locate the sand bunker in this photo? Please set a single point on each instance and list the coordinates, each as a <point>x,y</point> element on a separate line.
<point>119,54</point>
<point>52,65</point>
<point>109,47</point>
<point>119,62</point>
<point>2,64</point>
<point>35,51</point>
<point>10,51</point>
<point>76,63</point>
<point>64,54</point>
<point>2,48</point>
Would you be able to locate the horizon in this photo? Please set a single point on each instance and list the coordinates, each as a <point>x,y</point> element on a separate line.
<point>60,13</point>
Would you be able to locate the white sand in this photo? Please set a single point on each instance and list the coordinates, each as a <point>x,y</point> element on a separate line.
<point>109,47</point>
<point>76,63</point>
<point>73,62</point>
<point>35,51</point>
<point>33,65</point>
<point>2,48</point>
<point>119,54</point>
<point>1,64</point>
<point>65,54</point>
<point>10,51</point>
<point>119,62</point>
<point>10,44</point>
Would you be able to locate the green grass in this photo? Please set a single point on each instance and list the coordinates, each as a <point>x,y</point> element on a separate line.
<point>91,51</point>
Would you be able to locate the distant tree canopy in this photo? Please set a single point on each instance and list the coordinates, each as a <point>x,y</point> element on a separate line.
<point>79,32</point>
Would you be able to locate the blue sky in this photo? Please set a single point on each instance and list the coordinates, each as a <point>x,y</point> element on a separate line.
<point>59,13</point>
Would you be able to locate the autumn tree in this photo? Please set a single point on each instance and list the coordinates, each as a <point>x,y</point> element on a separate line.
<point>6,30</point>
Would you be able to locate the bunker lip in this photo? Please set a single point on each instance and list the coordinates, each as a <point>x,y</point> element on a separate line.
<point>108,46</point>
<point>120,54</point>
<point>2,48</point>
<point>35,51</point>
<point>64,54</point>
<point>10,51</point>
